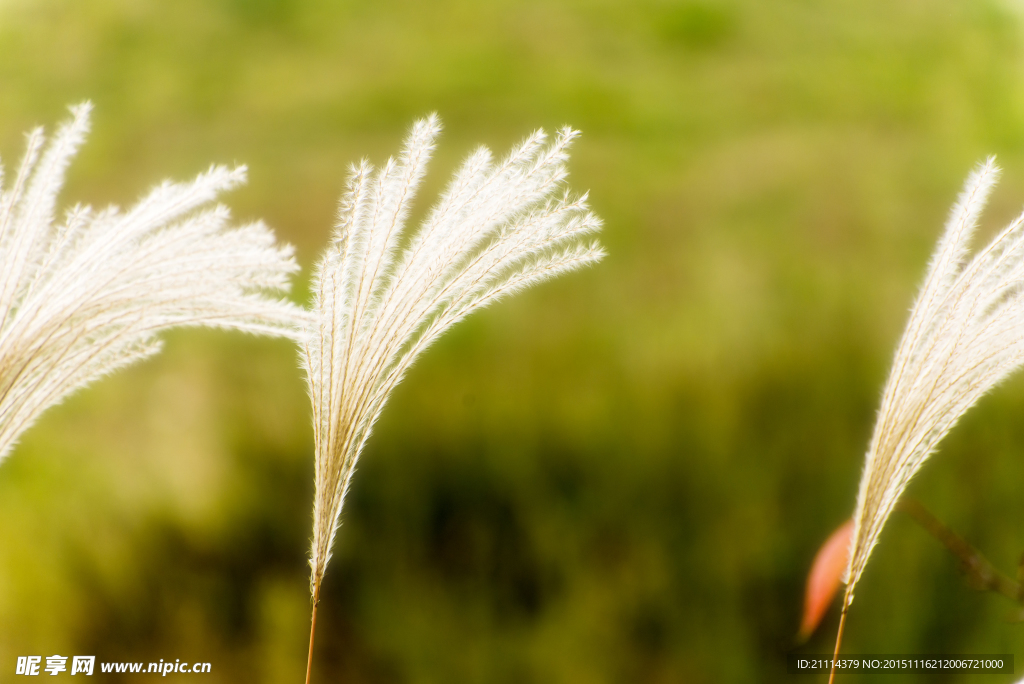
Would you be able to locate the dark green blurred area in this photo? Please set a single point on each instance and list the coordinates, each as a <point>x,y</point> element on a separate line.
<point>619,476</point>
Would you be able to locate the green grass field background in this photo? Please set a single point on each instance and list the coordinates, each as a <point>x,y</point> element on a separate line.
<point>619,476</point>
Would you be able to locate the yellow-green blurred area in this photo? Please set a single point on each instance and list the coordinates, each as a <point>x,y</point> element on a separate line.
<point>618,476</point>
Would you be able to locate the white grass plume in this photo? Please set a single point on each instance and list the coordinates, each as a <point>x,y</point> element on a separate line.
<point>382,297</point>
<point>84,296</point>
<point>965,335</point>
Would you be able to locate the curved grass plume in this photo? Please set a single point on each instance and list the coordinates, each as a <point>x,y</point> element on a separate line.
<point>82,296</point>
<point>382,297</point>
<point>964,336</point>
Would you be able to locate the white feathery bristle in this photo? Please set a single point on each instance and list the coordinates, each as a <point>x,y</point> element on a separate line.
<point>964,336</point>
<point>83,297</point>
<point>497,229</point>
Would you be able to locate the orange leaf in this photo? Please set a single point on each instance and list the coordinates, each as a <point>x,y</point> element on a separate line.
<point>825,576</point>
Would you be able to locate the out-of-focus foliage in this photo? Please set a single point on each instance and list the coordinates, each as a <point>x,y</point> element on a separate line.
<point>621,476</point>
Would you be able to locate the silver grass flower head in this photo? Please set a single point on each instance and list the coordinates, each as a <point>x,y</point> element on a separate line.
<point>83,296</point>
<point>964,336</point>
<point>382,297</point>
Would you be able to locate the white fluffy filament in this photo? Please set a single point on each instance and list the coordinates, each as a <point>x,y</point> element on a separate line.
<point>497,229</point>
<point>964,336</point>
<point>86,296</point>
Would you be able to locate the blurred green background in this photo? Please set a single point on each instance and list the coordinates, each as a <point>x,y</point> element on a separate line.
<point>619,476</point>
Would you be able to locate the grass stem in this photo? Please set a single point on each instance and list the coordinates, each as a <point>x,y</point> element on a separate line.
<point>839,639</point>
<point>312,632</point>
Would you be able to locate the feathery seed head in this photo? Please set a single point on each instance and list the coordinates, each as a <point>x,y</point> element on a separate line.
<point>496,229</point>
<point>964,336</point>
<point>84,297</point>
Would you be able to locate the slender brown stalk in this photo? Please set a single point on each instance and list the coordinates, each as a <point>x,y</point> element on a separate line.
<point>839,638</point>
<point>980,571</point>
<point>312,632</point>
